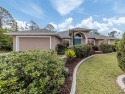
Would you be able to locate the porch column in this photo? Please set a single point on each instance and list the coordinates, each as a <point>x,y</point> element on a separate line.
<point>86,40</point>
<point>94,41</point>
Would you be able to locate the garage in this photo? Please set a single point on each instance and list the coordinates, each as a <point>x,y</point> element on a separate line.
<point>33,42</point>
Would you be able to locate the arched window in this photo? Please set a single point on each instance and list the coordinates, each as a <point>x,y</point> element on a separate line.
<point>78,39</point>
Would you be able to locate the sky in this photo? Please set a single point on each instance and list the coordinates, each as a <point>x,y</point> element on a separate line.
<point>103,15</point>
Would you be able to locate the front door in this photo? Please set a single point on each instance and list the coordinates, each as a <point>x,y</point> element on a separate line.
<point>77,41</point>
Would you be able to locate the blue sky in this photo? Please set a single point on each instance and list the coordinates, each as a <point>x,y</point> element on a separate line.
<point>104,15</point>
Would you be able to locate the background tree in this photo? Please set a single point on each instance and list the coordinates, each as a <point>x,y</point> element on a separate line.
<point>6,19</point>
<point>94,31</point>
<point>50,27</point>
<point>5,40</point>
<point>33,25</point>
<point>113,33</point>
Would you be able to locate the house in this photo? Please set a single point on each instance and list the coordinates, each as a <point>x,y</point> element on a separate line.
<point>45,39</point>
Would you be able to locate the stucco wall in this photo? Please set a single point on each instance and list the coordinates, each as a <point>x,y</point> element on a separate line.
<point>112,41</point>
<point>55,41</point>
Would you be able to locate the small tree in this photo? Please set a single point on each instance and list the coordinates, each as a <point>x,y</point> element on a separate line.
<point>50,27</point>
<point>33,25</point>
<point>94,31</point>
<point>113,33</point>
<point>121,53</point>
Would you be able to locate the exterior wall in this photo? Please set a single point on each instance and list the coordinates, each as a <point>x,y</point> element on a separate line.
<point>32,43</point>
<point>14,43</point>
<point>112,41</point>
<point>55,41</point>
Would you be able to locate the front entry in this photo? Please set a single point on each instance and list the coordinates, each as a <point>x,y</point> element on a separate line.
<point>78,39</point>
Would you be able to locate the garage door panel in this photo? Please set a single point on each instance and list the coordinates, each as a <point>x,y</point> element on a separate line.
<point>32,43</point>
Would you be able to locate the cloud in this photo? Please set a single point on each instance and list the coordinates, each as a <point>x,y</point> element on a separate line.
<point>66,6</point>
<point>65,25</point>
<point>107,25</point>
<point>23,25</point>
<point>33,10</point>
<point>90,23</point>
<point>117,21</point>
<point>29,8</point>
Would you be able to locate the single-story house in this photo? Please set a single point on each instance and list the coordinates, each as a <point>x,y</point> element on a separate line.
<point>45,39</point>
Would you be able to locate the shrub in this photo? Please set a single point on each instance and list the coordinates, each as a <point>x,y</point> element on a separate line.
<point>31,72</point>
<point>114,47</point>
<point>82,50</point>
<point>70,54</point>
<point>106,48</point>
<point>121,53</point>
<point>95,48</point>
<point>61,49</point>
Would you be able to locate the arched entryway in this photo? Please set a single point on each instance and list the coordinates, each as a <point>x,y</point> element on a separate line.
<point>78,39</point>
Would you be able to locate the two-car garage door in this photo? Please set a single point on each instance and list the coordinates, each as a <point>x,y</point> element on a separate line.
<point>32,43</point>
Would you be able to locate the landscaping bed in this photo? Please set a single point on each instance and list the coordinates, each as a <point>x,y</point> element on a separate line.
<point>66,87</point>
<point>70,64</point>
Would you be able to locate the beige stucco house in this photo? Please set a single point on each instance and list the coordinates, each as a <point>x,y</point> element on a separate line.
<point>45,39</point>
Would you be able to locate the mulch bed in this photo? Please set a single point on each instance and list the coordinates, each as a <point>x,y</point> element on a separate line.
<point>66,87</point>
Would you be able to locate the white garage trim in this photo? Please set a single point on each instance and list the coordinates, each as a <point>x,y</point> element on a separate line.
<point>17,40</point>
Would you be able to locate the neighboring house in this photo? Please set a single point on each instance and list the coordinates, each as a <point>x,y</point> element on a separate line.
<point>45,39</point>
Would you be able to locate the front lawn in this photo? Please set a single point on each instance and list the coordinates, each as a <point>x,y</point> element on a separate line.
<point>98,75</point>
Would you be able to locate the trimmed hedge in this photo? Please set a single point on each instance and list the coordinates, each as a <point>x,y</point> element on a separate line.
<point>61,49</point>
<point>106,48</point>
<point>95,48</point>
<point>31,72</point>
<point>82,50</point>
<point>121,53</point>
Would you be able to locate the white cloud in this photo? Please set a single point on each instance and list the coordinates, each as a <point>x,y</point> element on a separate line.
<point>66,6</point>
<point>65,25</point>
<point>107,25</point>
<point>90,23</point>
<point>23,25</point>
<point>33,10</point>
<point>117,21</point>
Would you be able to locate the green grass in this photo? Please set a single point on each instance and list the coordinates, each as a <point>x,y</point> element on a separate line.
<point>98,75</point>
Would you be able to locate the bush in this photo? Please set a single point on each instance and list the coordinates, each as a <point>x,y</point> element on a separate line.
<point>31,72</point>
<point>61,49</point>
<point>121,53</point>
<point>106,48</point>
<point>70,54</point>
<point>114,47</point>
<point>82,50</point>
<point>95,48</point>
